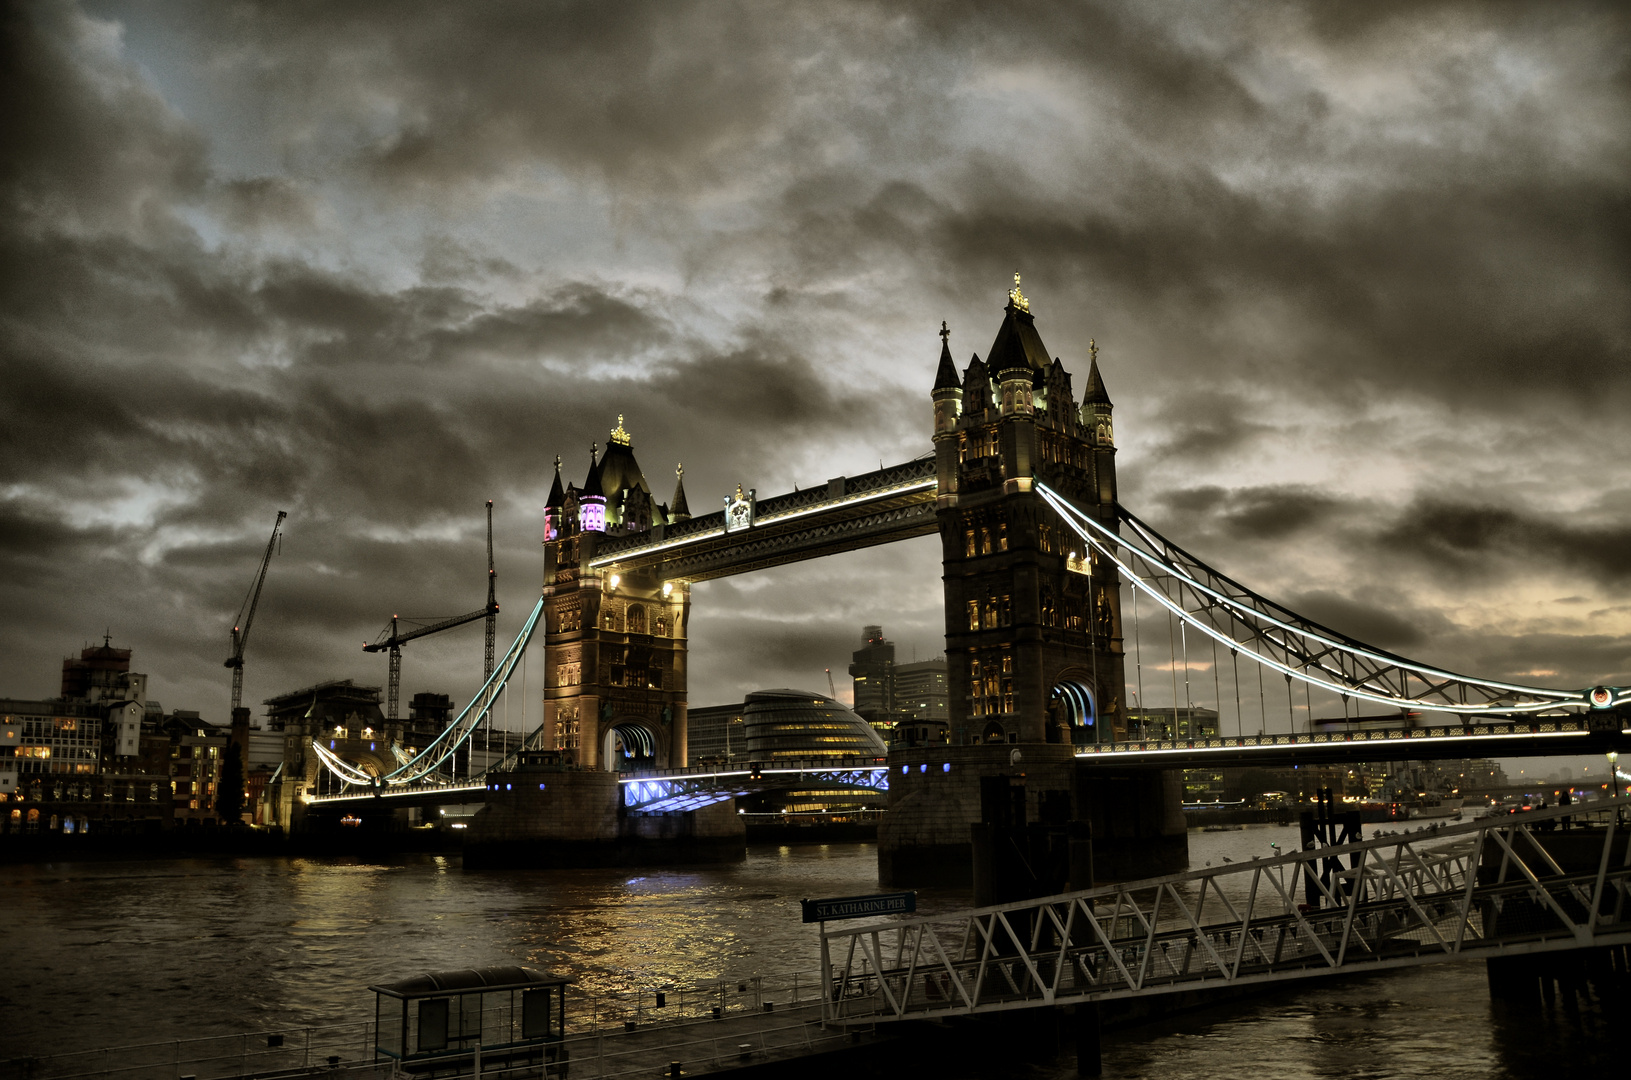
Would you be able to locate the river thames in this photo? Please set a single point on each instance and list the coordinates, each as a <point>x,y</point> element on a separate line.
<point>106,954</point>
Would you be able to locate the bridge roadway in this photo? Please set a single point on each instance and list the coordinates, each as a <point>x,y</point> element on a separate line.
<point>659,791</point>
<point>1529,736</point>
<point>673,790</point>
<point>1485,889</point>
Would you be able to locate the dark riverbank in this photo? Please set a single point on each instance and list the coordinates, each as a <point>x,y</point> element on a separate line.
<point>234,842</point>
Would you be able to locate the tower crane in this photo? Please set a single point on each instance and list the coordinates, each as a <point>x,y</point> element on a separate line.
<point>492,600</point>
<point>832,691</point>
<point>246,618</point>
<point>393,641</point>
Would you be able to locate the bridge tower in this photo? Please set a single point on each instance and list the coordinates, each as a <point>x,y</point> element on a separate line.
<point>614,643</point>
<point>1033,628</point>
<point>1034,660</point>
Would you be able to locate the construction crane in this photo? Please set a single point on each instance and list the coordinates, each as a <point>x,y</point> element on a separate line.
<point>492,600</point>
<point>832,691</point>
<point>246,618</point>
<point>392,638</point>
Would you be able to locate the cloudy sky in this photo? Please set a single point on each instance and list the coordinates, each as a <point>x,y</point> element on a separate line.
<point>1360,276</point>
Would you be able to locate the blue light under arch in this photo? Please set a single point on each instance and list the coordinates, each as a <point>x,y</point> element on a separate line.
<point>1079,704</point>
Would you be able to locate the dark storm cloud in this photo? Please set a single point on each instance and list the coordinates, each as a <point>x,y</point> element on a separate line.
<point>1470,539</point>
<point>261,256</point>
<point>1245,515</point>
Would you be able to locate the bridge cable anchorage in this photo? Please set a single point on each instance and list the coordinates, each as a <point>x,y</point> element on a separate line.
<point>1484,888</point>
<point>457,736</point>
<point>1312,653</point>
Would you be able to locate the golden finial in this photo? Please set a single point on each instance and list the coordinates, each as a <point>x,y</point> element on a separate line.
<point>739,495</point>
<point>679,471</point>
<point>557,464</point>
<point>620,436</point>
<point>945,335</point>
<point>1092,351</point>
<point>1017,297</point>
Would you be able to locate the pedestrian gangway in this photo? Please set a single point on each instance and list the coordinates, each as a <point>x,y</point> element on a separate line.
<point>1487,888</point>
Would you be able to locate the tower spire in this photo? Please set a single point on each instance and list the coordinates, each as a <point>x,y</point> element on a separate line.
<point>679,510</point>
<point>945,377</point>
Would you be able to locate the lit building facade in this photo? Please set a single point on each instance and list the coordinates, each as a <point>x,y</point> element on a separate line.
<point>872,668</point>
<point>614,644</point>
<point>920,690</point>
<point>1033,627</point>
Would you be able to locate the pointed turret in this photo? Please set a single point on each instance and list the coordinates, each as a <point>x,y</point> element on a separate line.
<point>592,500</point>
<point>946,378</point>
<point>1096,408</point>
<point>557,494</point>
<point>679,509</point>
<point>1095,392</point>
<point>948,389</point>
<point>553,508</point>
<point>591,485</point>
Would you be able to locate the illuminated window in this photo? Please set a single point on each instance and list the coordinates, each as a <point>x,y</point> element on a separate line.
<point>974,617</point>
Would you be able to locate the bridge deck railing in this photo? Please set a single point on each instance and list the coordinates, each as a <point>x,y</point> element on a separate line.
<point>1549,725</point>
<point>1436,894</point>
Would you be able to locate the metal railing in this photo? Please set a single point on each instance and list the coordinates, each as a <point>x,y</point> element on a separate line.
<point>617,1034</point>
<point>1438,893</point>
<point>1392,738</point>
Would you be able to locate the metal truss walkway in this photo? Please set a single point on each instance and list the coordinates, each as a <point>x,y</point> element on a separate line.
<point>1484,889</point>
<point>896,503</point>
<point>690,789</point>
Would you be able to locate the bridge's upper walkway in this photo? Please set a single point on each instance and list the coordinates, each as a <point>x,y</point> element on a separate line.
<point>843,514</point>
<point>1483,889</point>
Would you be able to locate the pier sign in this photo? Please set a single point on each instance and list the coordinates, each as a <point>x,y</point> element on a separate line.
<point>858,907</point>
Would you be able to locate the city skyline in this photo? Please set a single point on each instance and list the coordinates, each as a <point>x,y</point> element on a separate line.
<point>1356,281</point>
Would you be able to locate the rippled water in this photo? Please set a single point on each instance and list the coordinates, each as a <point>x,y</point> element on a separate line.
<point>110,953</point>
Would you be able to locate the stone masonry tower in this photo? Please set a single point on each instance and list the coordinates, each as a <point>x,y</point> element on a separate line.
<point>614,645</point>
<point>1033,628</point>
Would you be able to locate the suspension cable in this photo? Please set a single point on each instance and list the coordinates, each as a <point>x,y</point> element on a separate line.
<point>1362,685</point>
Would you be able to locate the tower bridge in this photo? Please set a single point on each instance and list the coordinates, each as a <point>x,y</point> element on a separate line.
<point>1035,549</point>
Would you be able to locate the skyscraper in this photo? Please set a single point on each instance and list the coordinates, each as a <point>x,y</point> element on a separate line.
<point>872,666</point>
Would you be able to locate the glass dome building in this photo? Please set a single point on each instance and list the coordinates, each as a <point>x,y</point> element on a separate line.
<point>782,724</point>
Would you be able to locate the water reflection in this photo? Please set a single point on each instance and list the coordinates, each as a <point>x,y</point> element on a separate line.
<point>108,954</point>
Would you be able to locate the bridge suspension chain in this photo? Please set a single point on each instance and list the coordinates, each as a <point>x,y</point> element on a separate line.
<point>458,734</point>
<point>1278,638</point>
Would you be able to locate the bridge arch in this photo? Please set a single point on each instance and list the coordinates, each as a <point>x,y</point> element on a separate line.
<point>1073,711</point>
<point>628,745</point>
